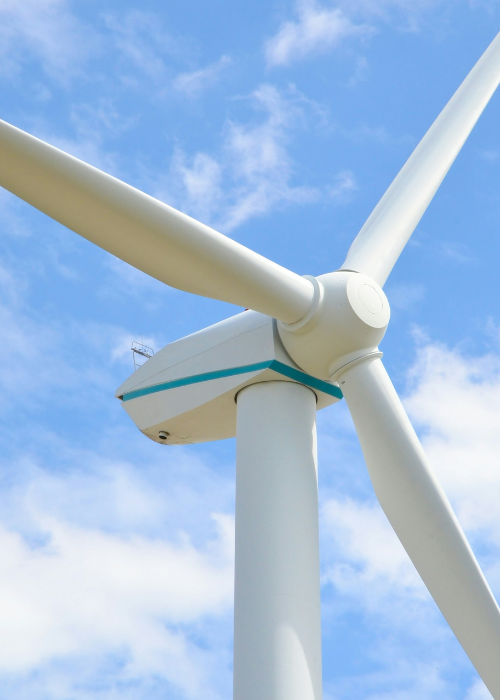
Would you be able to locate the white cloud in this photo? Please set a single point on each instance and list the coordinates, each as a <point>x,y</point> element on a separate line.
<point>321,27</point>
<point>261,165</point>
<point>87,591</point>
<point>146,50</point>
<point>478,691</point>
<point>193,83</point>
<point>197,185</point>
<point>456,402</point>
<point>99,562</point>
<point>254,171</point>
<point>72,592</point>
<point>316,29</point>
<point>408,647</point>
<point>370,562</point>
<point>45,30</point>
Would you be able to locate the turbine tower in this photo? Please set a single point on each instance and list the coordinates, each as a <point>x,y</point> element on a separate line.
<point>264,373</point>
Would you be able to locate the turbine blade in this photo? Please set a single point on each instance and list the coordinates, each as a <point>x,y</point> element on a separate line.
<point>380,242</point>
<point>421,516</point>
<point>146,233</point>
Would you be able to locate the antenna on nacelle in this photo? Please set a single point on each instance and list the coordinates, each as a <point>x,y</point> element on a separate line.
<point>140,350</point>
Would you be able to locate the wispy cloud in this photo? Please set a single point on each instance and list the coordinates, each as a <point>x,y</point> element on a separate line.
<point>405,296</point>
<point>377,134</point>
<point>491,156</point>
<point>316,29</point>
<point>319,27</point>
<point>44,30</point>
<point>145,46</point>
<point>138,36</point>
<point>193,83</point>
<point>89,131</point>
<point>254,172</point>
<point>456,251</point>
<point>344,185</point>
<point>406,15</point>
<point>360,72</point>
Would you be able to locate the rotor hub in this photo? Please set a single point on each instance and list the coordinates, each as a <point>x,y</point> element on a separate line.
<point>347,320</point>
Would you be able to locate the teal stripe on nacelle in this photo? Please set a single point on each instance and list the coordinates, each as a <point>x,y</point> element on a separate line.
<point>276,366</point>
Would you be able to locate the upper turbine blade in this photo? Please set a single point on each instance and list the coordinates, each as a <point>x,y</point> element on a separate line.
<point>378,245</point>
<point>146,233</point>
<point>421,516</point>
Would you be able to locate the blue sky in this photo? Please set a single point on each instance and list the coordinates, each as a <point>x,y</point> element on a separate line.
<point>280,124</point>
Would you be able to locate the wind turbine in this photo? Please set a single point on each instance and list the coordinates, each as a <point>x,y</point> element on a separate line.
<point>263,374</point>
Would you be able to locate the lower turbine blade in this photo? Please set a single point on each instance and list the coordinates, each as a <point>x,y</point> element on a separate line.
<point>146,233</point>
<point>421,516</point>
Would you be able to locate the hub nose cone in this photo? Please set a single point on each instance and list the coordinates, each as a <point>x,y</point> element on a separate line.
<point>367,300</point>
<point>348,322</point>
<point>370,299</point>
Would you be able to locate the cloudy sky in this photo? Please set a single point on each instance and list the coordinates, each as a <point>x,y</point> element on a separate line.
<point>281,124</point>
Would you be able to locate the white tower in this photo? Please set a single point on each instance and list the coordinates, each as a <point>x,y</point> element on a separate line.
<point>236,378</point>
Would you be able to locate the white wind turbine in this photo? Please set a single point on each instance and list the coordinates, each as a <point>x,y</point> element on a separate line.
<point>264,373</point>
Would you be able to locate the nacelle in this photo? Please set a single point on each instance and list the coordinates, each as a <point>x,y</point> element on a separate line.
<point>186,393</point>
